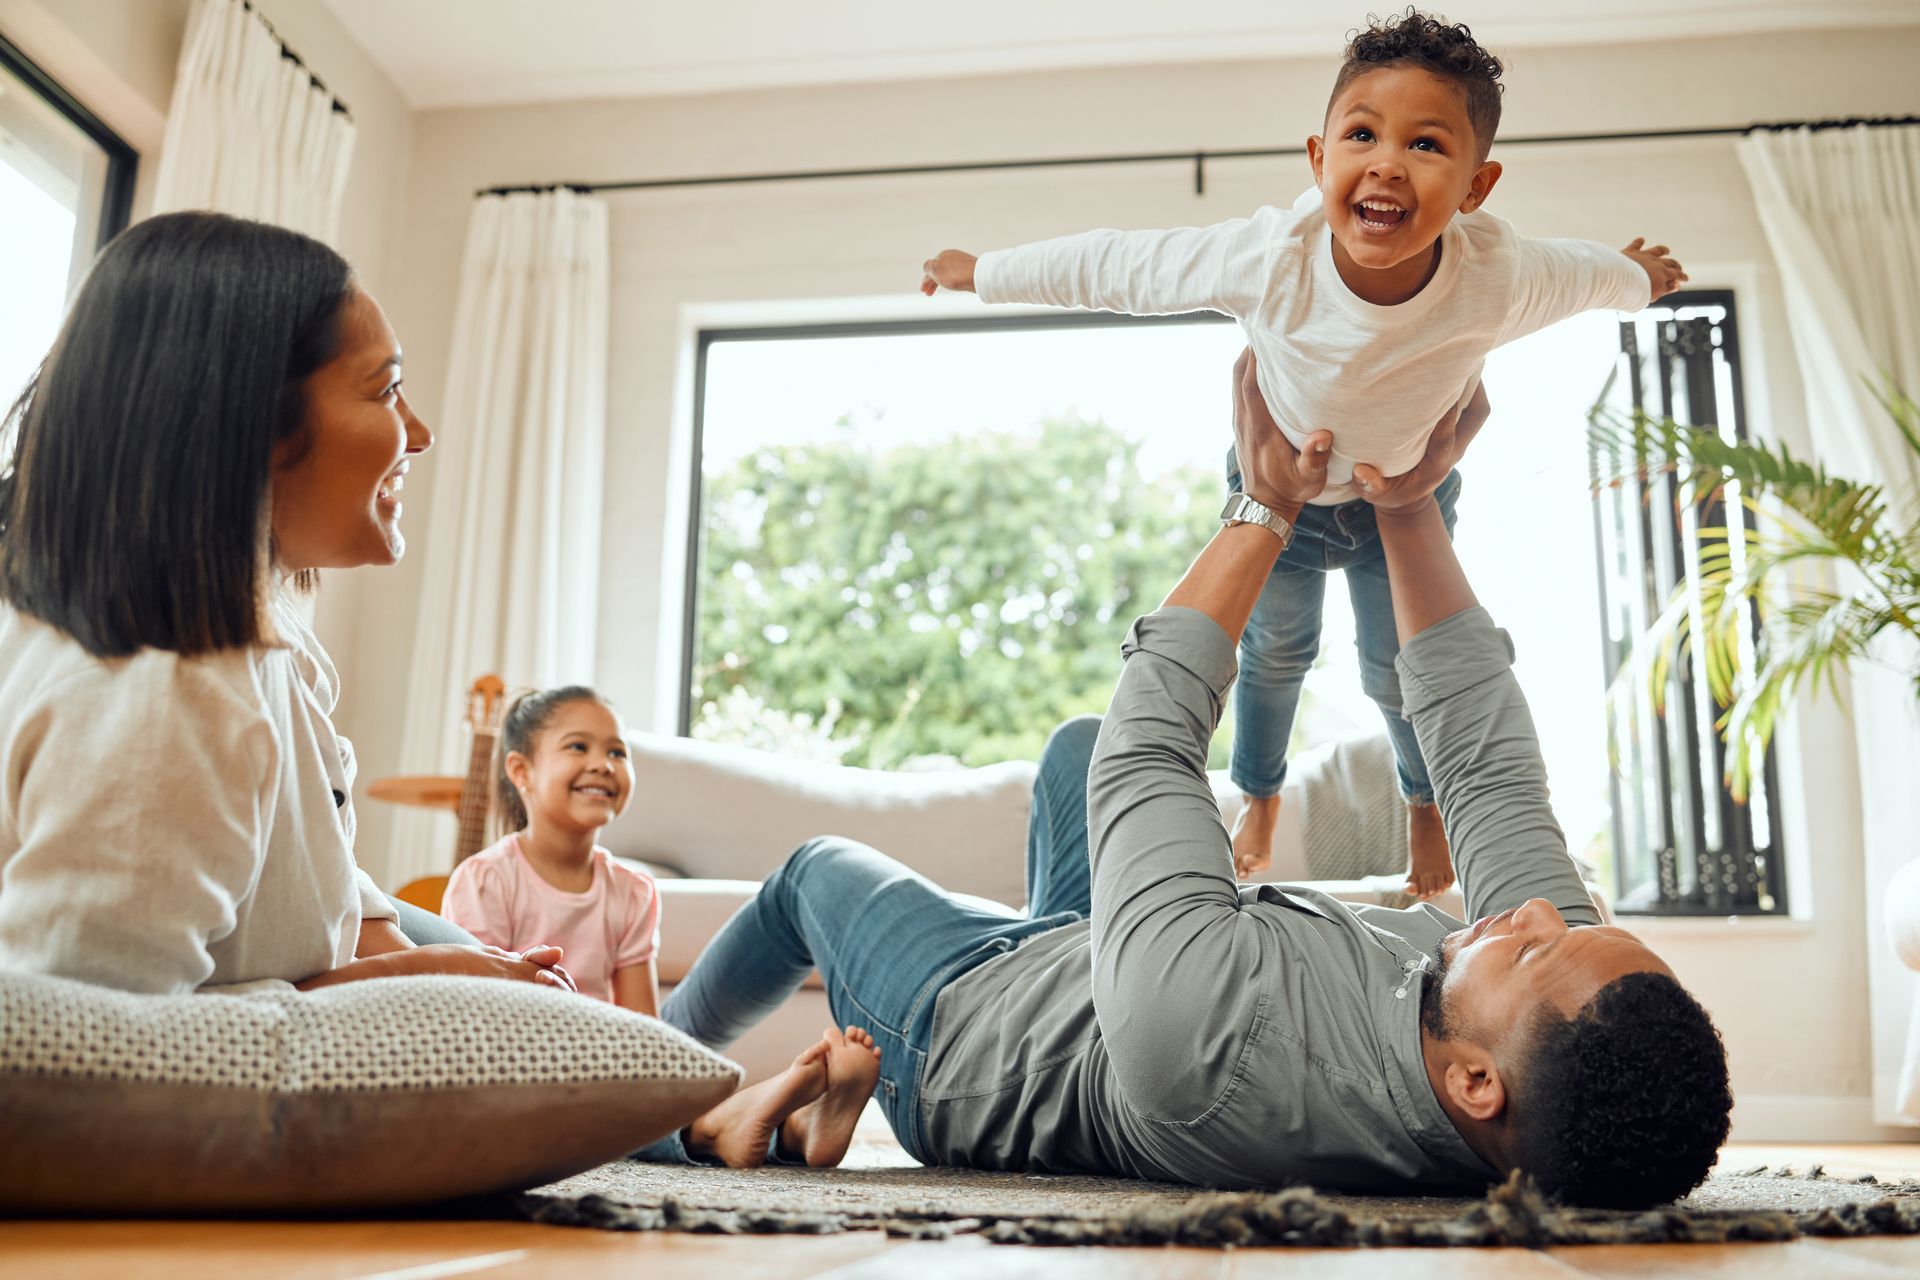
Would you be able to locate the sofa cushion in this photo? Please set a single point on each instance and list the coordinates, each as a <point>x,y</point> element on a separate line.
<point>725,812</point>
<point>386,1092</point>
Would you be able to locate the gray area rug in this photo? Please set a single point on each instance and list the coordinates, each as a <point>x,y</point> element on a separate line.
<point>882,1190</point>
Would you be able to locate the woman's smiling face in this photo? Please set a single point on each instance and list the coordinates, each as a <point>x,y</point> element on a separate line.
<point>337,483</point>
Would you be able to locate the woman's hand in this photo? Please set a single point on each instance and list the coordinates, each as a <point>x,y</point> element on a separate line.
<point>538,965</point>
<point>1273,472</point>
<point>1411,491</point>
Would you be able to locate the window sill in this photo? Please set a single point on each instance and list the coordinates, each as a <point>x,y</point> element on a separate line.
<point>1744,928</point>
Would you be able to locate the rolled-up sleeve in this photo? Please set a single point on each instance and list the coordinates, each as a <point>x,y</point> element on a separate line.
<point>1175,966</point>
<point>1483,754</point>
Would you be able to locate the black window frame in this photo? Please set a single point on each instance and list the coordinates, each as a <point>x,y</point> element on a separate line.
<point>123,162</point>
<point>1740,877</point>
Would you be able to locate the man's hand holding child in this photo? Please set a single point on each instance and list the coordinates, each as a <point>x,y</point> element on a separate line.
<point>1663,272</point>
<point>1273,472</point>
<point>1410,491</point>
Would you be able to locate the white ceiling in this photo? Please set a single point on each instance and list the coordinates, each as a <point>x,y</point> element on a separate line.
<point>456,53</point>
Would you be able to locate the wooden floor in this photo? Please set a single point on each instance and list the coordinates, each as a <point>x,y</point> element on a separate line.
<point>508,1251</point>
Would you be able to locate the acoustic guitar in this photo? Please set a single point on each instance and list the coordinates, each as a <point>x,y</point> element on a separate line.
<point>469,797</point>
<point>475,807</point>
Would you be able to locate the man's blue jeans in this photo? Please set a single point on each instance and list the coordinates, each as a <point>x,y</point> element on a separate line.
<point>885,939</point>
<point>1282,640</point>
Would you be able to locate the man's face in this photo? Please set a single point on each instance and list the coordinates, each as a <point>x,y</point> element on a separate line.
<point>1495,972</point>
<point>1398,161</point>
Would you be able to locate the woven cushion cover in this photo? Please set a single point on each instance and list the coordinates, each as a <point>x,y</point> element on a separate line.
<point>385,1092</point>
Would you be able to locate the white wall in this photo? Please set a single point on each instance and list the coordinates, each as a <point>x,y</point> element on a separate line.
<point>1790,996</point>
<point>118,58</point>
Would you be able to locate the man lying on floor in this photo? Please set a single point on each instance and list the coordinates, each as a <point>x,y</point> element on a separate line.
<point>1162,1021</point>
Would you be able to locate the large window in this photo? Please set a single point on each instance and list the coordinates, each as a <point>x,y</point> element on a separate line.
<point>66,184</point>
<point>922,544</point>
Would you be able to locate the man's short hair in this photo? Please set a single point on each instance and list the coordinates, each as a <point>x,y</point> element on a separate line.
<point>1447,50</point>
<point>1625,1104</point>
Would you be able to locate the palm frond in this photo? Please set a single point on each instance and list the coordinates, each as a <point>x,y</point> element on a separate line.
<point>1756,618</point>
<point>1901,408</point>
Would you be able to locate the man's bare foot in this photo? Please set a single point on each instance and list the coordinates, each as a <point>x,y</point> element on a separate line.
<point>1430,865</point>
<point>738,1131</point>
<point>822,1130</point>
<point>1253,835</point>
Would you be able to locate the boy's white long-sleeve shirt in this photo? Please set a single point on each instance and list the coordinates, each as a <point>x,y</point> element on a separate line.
<point>1378,377</point>
<point>171,823</point>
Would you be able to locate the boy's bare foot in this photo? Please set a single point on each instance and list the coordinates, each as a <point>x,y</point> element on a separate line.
<point>1253,835</point>
<point>1429,864</point>
<point>738,1130</point>
<point>822,1130</point>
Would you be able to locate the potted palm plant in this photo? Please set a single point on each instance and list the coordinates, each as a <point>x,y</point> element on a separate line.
<point>1811,624</point>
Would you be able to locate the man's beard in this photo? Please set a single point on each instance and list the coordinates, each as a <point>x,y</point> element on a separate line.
<point>1433,1014</point>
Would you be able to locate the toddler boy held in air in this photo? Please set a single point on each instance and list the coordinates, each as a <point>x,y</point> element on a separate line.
<point>1370,306</point>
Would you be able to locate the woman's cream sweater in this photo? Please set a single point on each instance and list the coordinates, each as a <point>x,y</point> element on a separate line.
<point>172,823</point>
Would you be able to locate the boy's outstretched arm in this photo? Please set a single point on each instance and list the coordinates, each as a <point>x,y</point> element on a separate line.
<point>1664,275</point>
<point>1224,267</point>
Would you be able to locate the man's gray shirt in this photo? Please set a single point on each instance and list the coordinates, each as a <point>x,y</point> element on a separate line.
<point>1197,1030</point>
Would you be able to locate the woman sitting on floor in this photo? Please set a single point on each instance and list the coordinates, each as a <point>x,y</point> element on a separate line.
<point>221,416</point>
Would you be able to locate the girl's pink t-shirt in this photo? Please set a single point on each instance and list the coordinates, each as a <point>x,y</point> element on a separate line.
<point>499,898</point>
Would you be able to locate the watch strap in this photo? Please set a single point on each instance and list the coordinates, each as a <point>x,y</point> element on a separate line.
<point>1241,509</point>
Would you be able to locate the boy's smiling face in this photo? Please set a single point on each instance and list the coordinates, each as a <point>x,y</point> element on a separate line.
<point>1398,161</point>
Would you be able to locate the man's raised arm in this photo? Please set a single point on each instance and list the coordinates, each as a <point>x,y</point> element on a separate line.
<point>1458,688</point>
<point>1174,962</point>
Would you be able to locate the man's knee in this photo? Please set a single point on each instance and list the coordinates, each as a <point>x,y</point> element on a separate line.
<point>1070,746</point>
<point>810,857</point>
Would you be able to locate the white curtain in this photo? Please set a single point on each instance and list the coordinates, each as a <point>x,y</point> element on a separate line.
<point>248,132</point>
<point>1841,210</point>
<point>512,574</point>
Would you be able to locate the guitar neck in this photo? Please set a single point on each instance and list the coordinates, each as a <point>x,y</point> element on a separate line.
<point>476,797</point>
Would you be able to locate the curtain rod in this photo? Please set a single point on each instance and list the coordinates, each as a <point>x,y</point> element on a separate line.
<point>1198,159</point>
<point>289,55</point>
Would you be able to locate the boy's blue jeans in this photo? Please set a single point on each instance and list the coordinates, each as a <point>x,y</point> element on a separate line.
<point>885,939</point>
<point>1282,640</point>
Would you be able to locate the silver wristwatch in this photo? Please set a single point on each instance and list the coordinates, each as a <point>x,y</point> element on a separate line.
<point>1241,509</point>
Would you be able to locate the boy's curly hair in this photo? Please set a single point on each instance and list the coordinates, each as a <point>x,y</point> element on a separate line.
<point>1447,50</point>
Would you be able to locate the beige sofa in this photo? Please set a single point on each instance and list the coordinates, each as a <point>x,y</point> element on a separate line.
<point>713,820</point>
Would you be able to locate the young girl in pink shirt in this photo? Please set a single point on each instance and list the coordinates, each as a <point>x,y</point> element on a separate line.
<point>564,775</point>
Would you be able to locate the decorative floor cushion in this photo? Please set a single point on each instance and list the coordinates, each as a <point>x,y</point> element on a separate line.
<point>386,1092</point>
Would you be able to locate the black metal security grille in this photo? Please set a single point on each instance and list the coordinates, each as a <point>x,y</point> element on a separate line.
<point>1682,845</point>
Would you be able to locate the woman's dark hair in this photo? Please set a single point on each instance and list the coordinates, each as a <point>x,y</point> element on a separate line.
<point>1448,51</point>
<point>135,466</point>
<point>525,717</point>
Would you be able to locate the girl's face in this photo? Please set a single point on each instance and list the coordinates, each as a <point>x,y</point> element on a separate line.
<point>578,777</point>
<point>336,483</point>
